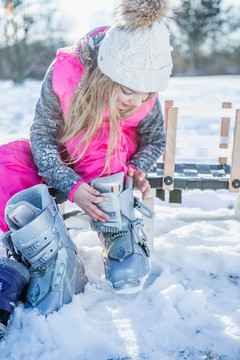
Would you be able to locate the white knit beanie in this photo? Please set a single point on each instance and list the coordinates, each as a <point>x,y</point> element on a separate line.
<point>135,51</point>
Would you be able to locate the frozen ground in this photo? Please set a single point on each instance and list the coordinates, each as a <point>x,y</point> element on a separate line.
<point>190,306</point>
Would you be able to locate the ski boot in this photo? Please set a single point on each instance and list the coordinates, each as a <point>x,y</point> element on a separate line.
<point>13,280</point>
<point>125,250</point>
<point>39,238</point>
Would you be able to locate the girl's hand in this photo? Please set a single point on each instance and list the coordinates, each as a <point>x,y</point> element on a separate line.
<point>86,197</point>
<point>139,181</point>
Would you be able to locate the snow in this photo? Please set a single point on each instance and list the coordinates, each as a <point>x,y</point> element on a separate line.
<point>190,305</point>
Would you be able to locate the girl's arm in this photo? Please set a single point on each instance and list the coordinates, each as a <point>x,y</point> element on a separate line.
<point>151,139</point>
<point>44,143</point>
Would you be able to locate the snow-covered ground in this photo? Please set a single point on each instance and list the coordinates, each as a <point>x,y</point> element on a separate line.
<point>190,305</point>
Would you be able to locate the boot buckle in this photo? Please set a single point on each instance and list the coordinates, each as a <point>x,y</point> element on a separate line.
<point>143,209</point>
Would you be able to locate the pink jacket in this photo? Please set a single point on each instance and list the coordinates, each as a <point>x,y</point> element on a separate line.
<point>67,73</point>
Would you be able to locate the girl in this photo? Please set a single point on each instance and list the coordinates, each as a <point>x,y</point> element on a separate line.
<point>98,121</point>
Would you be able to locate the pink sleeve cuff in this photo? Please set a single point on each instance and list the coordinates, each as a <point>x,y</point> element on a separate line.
<point>130,165</point>
<point>74,188</point>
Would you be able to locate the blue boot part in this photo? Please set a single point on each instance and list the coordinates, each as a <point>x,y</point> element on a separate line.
<point>125,250</point>
<point>13,280</point>
<point>55,283</point>
<point>39,236</point>
<point>126,260</point>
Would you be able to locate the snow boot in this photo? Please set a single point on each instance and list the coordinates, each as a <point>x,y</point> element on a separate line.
<point>13,280</point>
<point>125,250</point>
<point>39,238</point>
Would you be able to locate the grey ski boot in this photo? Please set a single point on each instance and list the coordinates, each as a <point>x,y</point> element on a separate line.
<point>125,250</point>
<point>39,238</point>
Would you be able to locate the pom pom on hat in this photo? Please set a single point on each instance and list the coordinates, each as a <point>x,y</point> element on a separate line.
<point>135,51</point>
<point>134,14</point>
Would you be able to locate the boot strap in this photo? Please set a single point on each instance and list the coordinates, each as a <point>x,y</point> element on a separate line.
<point>42,238</point>
<point>141,238</point>
<point>112,208</point>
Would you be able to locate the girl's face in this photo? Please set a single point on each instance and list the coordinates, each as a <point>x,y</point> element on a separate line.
<point>128,98</point>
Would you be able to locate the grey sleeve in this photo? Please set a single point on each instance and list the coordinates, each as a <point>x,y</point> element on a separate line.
<point>151,139</point>
<point>44,143</point>
<point>94,43</point>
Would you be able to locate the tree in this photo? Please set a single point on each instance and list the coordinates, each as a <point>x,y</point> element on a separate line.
<point>29,33</point>
<point>199,23</point>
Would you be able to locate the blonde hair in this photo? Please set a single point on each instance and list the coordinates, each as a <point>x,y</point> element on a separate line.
<point>96,93</point>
